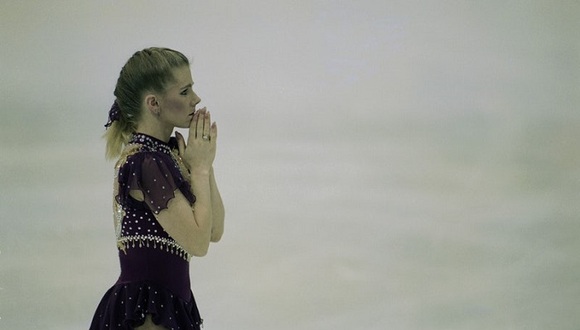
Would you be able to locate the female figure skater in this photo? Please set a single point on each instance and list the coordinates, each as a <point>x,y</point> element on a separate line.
<point>166,204</point>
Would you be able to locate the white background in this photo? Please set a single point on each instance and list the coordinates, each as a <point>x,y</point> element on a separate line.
<point>384,164</point>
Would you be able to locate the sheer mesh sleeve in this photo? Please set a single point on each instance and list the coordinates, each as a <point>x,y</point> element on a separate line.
<point>157,176</point>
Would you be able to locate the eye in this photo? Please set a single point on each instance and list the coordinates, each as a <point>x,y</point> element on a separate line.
<point>184,92</point>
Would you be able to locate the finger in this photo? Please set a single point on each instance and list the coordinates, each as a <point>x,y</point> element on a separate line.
<point>193,125</point>
<point>206,124</point>
<point>213,132</point>
<point>180,143</point>
<point>199,124</point>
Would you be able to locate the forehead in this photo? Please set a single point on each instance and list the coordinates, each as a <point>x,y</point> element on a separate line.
<point>182,76</point>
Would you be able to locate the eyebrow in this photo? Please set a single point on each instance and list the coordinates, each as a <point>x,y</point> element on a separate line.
<point>187,86</point>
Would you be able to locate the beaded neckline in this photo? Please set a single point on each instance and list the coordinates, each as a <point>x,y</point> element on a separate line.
<point>150,143</point>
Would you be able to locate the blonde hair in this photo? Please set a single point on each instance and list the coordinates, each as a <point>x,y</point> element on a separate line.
<point>147,70</point>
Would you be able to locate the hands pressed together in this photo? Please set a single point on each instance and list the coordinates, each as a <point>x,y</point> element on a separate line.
<point>199,152</point>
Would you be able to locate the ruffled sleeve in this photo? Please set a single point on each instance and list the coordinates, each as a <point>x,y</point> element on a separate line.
<point>156,175</point>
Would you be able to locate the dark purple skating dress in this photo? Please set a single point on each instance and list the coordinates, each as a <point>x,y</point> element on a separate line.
<point>154,268</point>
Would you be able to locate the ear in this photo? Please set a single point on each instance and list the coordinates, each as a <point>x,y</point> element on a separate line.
<point>152,103</point>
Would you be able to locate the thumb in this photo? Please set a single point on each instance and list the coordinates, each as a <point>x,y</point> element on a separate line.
<point>180,143</point>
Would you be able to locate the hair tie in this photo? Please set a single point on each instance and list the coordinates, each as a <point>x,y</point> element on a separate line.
<point>114,114</point>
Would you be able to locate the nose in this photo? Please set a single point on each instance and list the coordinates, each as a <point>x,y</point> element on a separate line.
<point>196,99</point>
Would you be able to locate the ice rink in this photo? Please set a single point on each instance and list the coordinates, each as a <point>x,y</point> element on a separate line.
<point>384,164</point>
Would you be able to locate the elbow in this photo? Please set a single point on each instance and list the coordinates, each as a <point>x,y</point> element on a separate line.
<point>200,247</point>
<point>217,233</point>
<point>199,251</point>
<point>216,237</point>
<point>217,230</point>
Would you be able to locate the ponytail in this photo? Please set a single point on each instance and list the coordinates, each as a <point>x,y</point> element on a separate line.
<point>117,135</point>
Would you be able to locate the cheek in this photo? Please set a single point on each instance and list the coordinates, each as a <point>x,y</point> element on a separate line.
<point>175,105</point>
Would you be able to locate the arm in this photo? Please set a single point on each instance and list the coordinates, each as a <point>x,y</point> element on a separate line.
<point>194,229</point>
<point>218,212</point>
<point>189,227</point>
<point>196,225</point>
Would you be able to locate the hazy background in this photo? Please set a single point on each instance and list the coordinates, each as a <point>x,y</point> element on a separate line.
<point>384,164</point>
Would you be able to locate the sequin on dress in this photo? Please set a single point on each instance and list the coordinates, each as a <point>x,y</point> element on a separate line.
<point>154,267</point>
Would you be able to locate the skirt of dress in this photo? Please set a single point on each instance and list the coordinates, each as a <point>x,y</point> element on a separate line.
<point>125,305</point>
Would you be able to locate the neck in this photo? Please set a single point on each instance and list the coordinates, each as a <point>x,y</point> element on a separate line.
<point>156,131</point>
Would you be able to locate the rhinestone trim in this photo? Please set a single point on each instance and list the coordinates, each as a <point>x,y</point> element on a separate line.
<point>168,245</point>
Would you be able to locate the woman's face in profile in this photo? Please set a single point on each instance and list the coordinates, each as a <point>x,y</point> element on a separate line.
<point>178,102</point>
